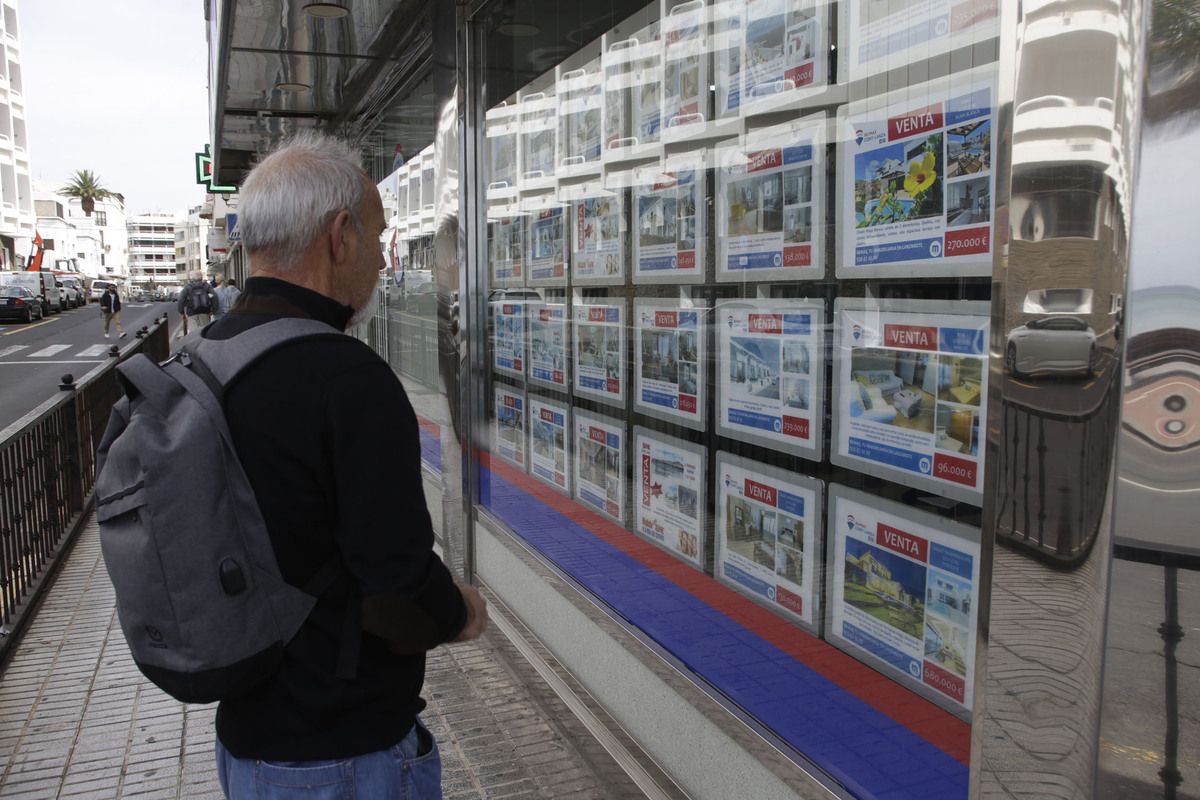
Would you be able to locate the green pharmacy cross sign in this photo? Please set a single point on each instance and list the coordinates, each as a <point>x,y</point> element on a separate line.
<point>204,173</point>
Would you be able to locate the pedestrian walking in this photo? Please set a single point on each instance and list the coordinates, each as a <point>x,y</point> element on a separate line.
<point>196,303</point>
<point>329,443</point>
<point>110,308</point>
<point>227,295</point>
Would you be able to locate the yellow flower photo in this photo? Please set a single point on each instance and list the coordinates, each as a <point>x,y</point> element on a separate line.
<point>921,174</point>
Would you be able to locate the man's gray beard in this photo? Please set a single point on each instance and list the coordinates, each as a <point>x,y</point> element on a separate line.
<point>364,314</point>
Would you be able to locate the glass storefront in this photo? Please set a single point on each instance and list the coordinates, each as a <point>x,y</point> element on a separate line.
<point>739,259</point>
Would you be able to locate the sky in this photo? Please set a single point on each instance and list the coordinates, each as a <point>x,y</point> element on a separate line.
<point>120,88</point>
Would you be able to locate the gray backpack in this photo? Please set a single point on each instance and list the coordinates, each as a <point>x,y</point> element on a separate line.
<point>200,597</point>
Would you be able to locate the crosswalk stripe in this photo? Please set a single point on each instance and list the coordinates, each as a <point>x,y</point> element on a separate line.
<point>94,350</point>
<point>15,348</point>
<point>52,350</point>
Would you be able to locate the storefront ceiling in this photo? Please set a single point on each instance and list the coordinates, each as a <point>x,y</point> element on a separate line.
<point>347,65</point>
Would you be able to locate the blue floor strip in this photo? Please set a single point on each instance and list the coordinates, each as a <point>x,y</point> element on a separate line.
<point>870,754</point>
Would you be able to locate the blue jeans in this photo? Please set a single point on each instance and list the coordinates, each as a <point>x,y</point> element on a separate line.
<point>397,773</point>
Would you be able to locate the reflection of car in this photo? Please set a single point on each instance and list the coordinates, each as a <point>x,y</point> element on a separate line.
<point>17,302</point>
<point>1051,345</point>
<point>421,299</point>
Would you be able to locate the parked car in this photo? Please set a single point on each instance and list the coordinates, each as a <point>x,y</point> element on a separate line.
<point>1051,345</point>
<point>98,289</point>
<point>17,302</point>
<point>41,284</point>
<point>68,295</point>
<point>76,285</point>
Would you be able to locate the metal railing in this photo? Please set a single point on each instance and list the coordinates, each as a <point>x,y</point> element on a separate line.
<point>47,475</point>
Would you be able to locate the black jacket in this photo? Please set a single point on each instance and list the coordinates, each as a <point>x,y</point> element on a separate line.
<point>329,441</point>
<point>110,302</point>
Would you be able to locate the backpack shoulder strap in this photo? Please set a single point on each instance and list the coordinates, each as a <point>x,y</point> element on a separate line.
<point>227,358</point>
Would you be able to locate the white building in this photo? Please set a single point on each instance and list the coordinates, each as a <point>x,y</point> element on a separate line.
<point>17,216</point>
<point>99,243</point>
<point>191,243</point>
<point>152,248</point>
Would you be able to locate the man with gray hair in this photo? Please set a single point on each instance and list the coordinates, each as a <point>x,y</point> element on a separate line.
<point>329,443</point>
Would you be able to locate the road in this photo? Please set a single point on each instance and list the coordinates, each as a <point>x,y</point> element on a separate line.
<point>34,357</point>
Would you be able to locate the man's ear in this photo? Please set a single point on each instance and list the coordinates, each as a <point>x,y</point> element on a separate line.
<point>339,247</point>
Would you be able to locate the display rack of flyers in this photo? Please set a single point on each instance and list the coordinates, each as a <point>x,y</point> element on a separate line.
<point>768,536</point>
<point>506,249</point>
<point>501,126</point>
<point>599,346</point>
<point>915,188</point>
<point>670,231</point>
<point>508,337</point>
<point>771,204</point>
<point>547,237</point>
<point>687,113</point>
<point>669,502</point>
<point>548,344</point>
<point>669,361</point>
<point>771,375</point>
<point>910,391</point>
<point>598,227</point>
<point>600,464</point>
<point>508,426</point>
<point>882,36</point>
<point>580,106</point>
<point>538,125</point>
<point>903,588</point>
<point>633,76</point>
<point>549,426</point>
<point>783,48</point>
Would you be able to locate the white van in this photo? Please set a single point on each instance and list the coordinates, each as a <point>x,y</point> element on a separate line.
<point>41,284</point>
<point>99,287</point>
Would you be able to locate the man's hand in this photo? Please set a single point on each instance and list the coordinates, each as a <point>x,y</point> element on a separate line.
<point>477,615</point>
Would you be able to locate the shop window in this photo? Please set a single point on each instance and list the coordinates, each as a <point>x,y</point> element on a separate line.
<point>717,398</point>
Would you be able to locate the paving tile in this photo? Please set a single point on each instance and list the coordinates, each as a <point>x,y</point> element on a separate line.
<point>80,722</point>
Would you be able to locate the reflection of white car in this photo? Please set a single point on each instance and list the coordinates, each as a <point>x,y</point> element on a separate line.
<point>1051,345</point>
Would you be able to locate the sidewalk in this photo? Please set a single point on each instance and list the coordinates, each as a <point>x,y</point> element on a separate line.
<point>77,720</point>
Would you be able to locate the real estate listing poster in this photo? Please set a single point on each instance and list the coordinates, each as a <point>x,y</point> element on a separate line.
<point>600,464</point>
<point>910,385</point>
<point>581,101</point>
<point>685,84</point>
<point>772,54</point>
<point>547,241</point>
<point>538,126</point>
<point>768,536</point>
<point>771,375</point>
<point>502,124</point>
<point>669,361</point>
<point>633,77</point>
<point>770,205</point>
<point>903,590</point>
<point>915,180</point>
<point>548,344</point>
<point>669,503</point>
<point>508,430</point>
<point>508,338</point>
<point>597,253</point>
<point>884,35</point>
<point>599,334</point>
<point>506,250</point>
<point>670,232</point>
<point>548,430</point>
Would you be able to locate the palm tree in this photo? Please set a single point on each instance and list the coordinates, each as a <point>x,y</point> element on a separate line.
<point>86,186</point>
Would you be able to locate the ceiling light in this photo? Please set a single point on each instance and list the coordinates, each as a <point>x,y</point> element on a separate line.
<point>326,10</point>
<point>518,30</point>
<point>292,86</point>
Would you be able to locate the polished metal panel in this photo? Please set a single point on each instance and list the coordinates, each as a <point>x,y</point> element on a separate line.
<point>254,78</point>
<point>284,25</point>
<point>1149,734</point>
<point>1069,93</point>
